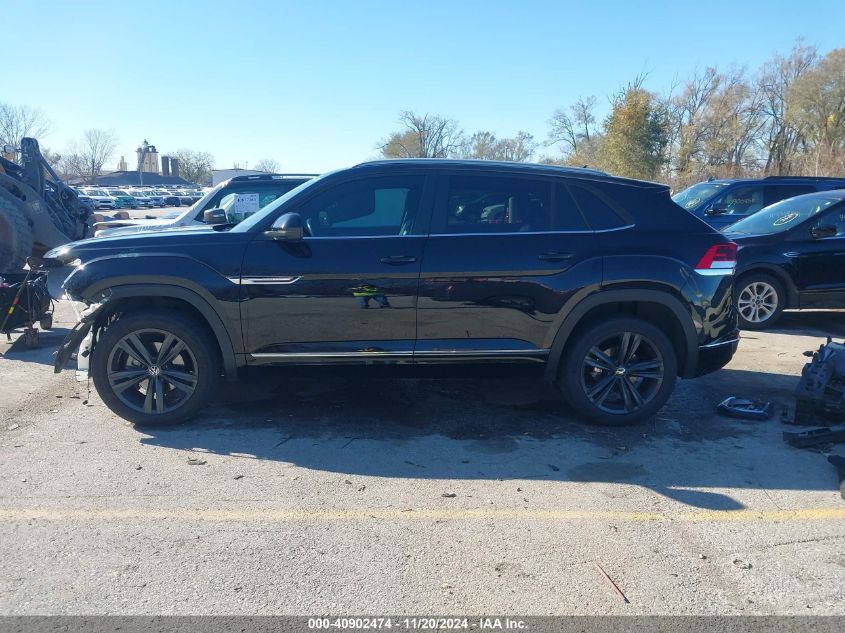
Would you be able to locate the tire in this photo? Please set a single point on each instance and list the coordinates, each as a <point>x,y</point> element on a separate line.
<point>602,387</point>
<point>760,299</point>
<point>126,356</point>
<point>15,236</point>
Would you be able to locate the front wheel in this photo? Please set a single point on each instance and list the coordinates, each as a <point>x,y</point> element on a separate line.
<point>155,367</point>
<point>619,371</point>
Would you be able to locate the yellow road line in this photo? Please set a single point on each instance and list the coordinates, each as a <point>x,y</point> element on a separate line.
<point>181,514</point>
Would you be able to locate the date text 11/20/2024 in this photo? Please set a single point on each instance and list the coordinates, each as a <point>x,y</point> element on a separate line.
<point>418,624</point>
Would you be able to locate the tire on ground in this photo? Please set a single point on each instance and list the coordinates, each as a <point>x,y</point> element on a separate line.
<point>195,337</point>
<point>746,281</point>
<point>15,236</point>
<point>572,381</point>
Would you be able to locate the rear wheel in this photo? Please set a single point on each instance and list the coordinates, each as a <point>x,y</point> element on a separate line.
<point>619,371</point>
<point>155,367</point>
<point>760,300</point>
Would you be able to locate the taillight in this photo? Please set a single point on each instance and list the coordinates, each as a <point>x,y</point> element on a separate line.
<point>719,257</point>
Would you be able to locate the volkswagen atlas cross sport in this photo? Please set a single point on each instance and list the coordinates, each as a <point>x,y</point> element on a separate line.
<point>604,283</point>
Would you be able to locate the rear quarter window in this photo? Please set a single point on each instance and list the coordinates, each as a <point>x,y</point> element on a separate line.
<point>599,209</point>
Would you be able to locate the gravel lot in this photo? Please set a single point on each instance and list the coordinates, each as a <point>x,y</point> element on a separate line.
<point>305,493</point>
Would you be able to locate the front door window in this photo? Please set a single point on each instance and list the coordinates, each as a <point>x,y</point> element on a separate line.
<point>743,200</point>
<point>364,208</point>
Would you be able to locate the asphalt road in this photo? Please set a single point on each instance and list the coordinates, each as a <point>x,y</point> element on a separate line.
<point>308,494</point>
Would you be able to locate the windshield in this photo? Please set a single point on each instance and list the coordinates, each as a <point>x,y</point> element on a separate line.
<point>190,212</point>
<point>257,218</point>
<point>691,197</point>
<point>782,216</point>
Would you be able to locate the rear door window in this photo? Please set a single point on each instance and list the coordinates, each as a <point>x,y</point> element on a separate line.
<point>776,193</point>
<point>503,204</point>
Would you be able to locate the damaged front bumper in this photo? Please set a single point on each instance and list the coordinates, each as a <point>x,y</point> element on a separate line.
<point>79,339</point>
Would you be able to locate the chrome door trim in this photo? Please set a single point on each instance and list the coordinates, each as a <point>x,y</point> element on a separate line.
<point>256,281</point>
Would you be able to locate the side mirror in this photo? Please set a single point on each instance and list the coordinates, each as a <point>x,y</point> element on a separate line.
<point>823,230</point>
<point>288,228</point>
<point>214,216</point>
<point>719,208</point>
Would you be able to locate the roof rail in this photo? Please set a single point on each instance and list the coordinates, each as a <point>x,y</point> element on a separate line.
<point>838,179</point>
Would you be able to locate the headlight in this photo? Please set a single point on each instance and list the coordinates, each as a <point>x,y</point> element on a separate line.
<point>62,256</point>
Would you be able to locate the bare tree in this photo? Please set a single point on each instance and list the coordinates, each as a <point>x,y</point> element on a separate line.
<point>269,165</point>
<point>485,146</point>
<point>574,127</point>
<point>85,158</point>
<point>781,136</point>
<point>19,121</point>
<point>481,145</point>
<point>54,159</point>
<point>518,149</point>
<point>816,105</point>
<point>734,121</point>
<point>576,133</point>
<point>687,124</point>
<point>96,148</point>
<point>194,166</point>
<point>423,136</point>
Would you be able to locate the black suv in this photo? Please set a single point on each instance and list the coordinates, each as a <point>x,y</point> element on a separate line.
<point>604,283</point>
<point>721,203</point>
<point>790,255</point>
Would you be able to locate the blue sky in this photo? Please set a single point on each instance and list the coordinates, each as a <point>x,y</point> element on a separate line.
<point>314,85</point>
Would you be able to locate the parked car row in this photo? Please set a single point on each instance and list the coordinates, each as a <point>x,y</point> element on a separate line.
<point>234,199</point>
<point>136,197</point>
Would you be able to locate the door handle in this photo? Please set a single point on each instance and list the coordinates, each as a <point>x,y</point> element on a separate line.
<point>398,260</point>
<point>555,257</point>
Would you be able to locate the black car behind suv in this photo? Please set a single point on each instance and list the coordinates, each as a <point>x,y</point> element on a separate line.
<point>790,255</point>
<point>603,282</point>
<point>721,203</point>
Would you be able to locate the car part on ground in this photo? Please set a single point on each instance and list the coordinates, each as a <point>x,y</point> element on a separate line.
<point>815,437</point>
<point>37,210</point>
<point>820,394</point>
<point>602,283</point>
<point>745,409</point>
